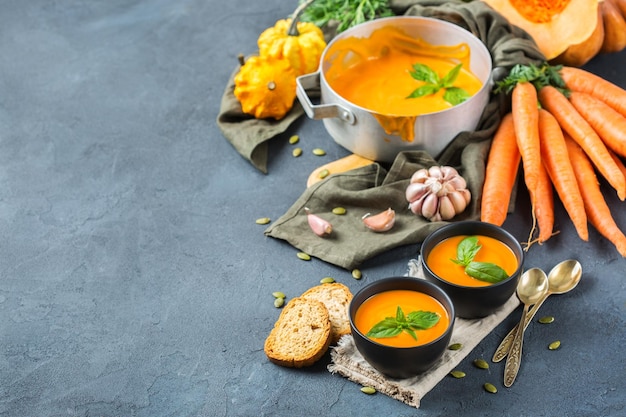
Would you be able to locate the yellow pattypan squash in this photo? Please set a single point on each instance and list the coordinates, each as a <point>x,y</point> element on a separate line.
<point>301,44</point>
<point>266,87</point>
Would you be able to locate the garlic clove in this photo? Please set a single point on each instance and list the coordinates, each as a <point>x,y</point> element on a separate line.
<point>446,208</point>
<point>380,222</point>
<point>420,175</point>
<point>458,201</point>
<point>416,191</point>
<point>430,206</point>
<point>319,226</point>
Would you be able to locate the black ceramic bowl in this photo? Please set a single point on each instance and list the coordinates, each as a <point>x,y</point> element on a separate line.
<point>474,302</point>
<point>399,362</point>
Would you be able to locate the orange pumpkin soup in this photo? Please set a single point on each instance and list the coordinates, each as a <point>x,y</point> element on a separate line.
<point>492,251</point>
<point>375,73</point>
<point>385,304</point>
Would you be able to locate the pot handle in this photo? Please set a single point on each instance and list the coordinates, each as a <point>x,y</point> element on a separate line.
<point>319,111</point>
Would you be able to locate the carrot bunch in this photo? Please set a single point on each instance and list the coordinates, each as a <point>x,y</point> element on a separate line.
<point>566,125</point>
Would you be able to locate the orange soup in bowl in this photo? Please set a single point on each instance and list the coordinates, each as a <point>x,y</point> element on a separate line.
<point>441,259</point>
<point>385,305</point>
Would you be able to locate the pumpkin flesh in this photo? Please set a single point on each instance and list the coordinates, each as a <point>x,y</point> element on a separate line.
<point>554,25</point>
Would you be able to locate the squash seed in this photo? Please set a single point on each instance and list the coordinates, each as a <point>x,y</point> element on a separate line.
<point>303,256</point>
<point>368,390</point>
<point>455,346</point>
<point>327,280</point>
<point>263,220</point>
<point>546,320</point>
<point>458,374</point>
<point>296,152</point>
<point>481,363</point>
<point>319,152</point>
<point>324,173</point>
<point>356,274</point>
<point>490,388</point>
<point>339,211</point>
<point>278,302</point>
<point>278,294</point>
<point>554,345</point>
<point>294,139</point>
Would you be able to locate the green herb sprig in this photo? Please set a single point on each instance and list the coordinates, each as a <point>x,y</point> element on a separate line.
<point>539,76</point>
<point>347,13</point>
<point>393,326</point>
<point>483,271</point>
<point>434,83</point>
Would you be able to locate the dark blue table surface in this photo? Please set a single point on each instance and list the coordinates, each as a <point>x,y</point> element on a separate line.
<point>133,278</point>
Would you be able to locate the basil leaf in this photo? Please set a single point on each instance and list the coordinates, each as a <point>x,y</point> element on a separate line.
<point>451,77</point>
<point>400,315</point>
<point>422,320</point>
<point>486,271</point>
<point>424,73</point>
<point>411,332</point>
<point>425,90</point>
<point>385,328</point>
<point>467,250</point>
<point>455,95</point>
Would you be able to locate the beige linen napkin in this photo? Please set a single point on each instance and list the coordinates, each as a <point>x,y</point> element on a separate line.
<point>348,362</point>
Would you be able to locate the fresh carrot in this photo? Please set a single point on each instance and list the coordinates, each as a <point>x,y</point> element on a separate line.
<point>577,127</point>
<point>501,173</point>
<point>620,164</point>
<point>525,110</point>
<point>555,159</point>
<point>544,207</point>
<point>526,123</point>
<point>598,211</point>
<point>577,79</point>
<point>608,124</point>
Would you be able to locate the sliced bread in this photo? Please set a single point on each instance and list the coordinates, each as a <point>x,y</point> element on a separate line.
<point>336,297</point>
<point>301,335</point>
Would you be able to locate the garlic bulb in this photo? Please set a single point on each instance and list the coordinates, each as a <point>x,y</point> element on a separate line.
<point>437,193</point>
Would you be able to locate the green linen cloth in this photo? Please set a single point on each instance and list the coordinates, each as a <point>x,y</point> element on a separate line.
<point>373,188</point>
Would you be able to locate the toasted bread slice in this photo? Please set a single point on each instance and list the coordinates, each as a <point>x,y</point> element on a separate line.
<point>301,335</point>
<point>336,297</point>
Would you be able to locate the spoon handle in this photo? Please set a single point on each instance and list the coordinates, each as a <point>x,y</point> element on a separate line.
<point>505,346</point>
<point>515,354</point>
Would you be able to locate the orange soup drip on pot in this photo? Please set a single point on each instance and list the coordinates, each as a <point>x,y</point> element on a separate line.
<point>384,304</point>
<point>374,73</point>
<point>492,250</point>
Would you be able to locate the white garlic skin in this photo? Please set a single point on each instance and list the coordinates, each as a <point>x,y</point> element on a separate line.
<point>437,193</point>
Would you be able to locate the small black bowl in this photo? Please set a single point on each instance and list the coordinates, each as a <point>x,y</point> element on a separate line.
<point>474,302</point>
<point>401,362</point>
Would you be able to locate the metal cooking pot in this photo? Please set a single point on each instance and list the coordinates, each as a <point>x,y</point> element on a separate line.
<point>357,129</point>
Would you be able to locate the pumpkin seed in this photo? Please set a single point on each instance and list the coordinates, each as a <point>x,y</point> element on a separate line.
<point>490,388</point>
<point>554,345</point>
<point>263,220</point>
<point>324,173</point>
<point>356,274</point>
<point>294,139</point>
<point>319,152</point>
<point>458,374</point>
<point>327,280</point>
<point>339,211</point>
<point>278,294</point>
<point>303,256</point>
<point>278,302</point>
<point>481,363</point>
<point>546,320</point>
<point>455,346</point>
<point>296,152</point>
<point>368,390</point>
